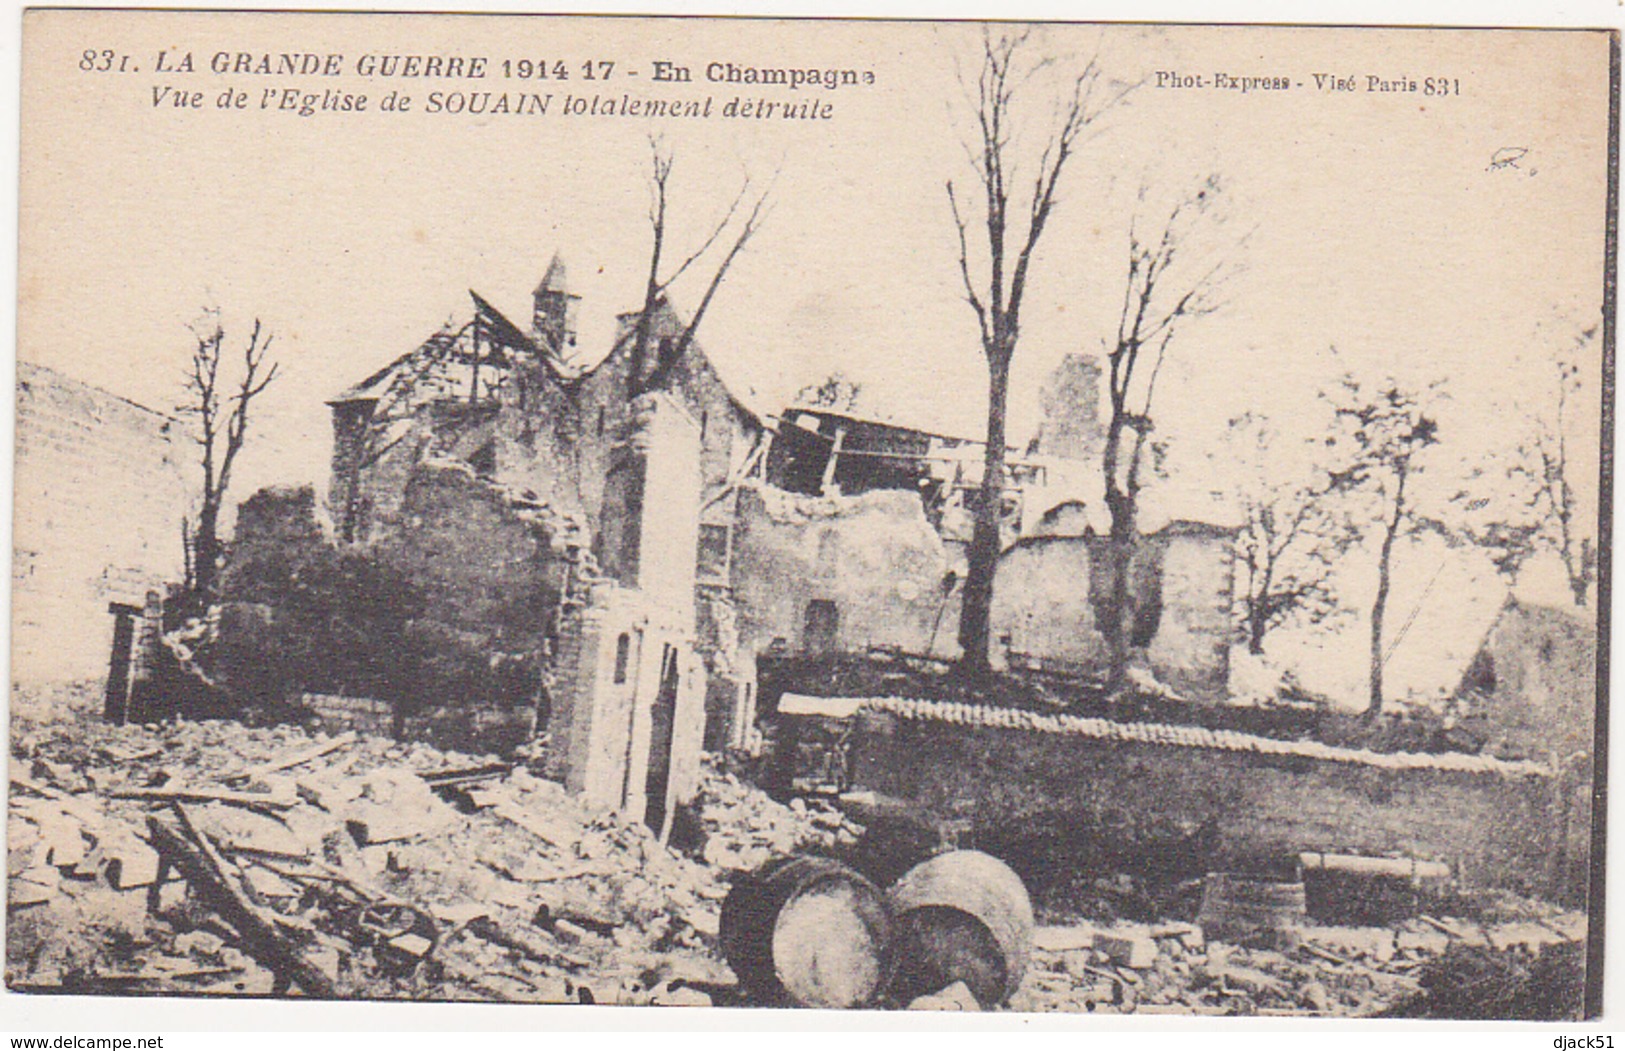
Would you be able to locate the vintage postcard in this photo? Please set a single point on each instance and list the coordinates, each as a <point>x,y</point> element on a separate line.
<point>1100,518</point>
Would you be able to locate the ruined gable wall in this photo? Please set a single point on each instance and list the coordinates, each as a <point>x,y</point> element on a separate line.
<point>604,407</point>
<point>603,397</point>
<point>537,439</point>
<point>529,431</point>
<point>1545,665</point>
<point>101,485</point>
<point>1042,604</point>
<point>482,568</point>
<point>875,557</point>
<point>1191,649</point>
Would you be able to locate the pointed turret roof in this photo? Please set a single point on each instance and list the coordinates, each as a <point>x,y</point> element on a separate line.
<point>556,279</point>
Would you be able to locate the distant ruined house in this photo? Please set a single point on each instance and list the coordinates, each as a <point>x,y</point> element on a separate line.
<point>1530,692</point>
<point>882,572</point>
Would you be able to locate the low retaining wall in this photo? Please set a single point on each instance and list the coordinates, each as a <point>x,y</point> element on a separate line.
<point>362,714</point>
<point>1490,820</point>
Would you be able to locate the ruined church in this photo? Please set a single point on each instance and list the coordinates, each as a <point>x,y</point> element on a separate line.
<point>651,532</point>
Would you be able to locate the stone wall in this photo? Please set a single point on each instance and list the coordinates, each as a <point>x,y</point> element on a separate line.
<point>841,573</point>
<point>1145,786</point>
<point>1191,648</point>
<point>362,714</point>
<point>481,564</point>
<point>628,706</point>
<point>101,488</point>
<point>1046,596</point>
<point>629,703</point>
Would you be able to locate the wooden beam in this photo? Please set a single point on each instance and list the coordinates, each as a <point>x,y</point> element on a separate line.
<point>188,849</point>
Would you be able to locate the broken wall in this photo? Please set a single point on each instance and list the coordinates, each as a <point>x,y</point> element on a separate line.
<point>1535,682</point>
<point>446,618</point>
<point>1048,592</point>
<point>628,706</point>
<point>1191,648</point>
<point>483,565</point>
<point>101,484</point>
<point>524,434</point>
<point>604,400</point>
<point>1532,691</point>
<point>628,701</point>
<point>815,574</point>
<point>1041,609</point>
<point>1493,827</point>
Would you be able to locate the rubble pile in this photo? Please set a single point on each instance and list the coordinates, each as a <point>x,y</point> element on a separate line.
<point>211,858</point>
<point>378,869</point>
<point>1170,968</point>
<point>743,829</point>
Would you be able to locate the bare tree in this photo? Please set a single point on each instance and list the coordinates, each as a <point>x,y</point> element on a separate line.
<point>1525,502</point>
<point>221,407</point>
<point>1293,534</point>
<point>1384,433</point>
<point>657,286</point>
<point>1159,295</point>
<point>995,287</point>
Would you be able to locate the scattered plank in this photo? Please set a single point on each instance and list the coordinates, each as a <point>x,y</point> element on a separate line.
<point>91,816</point>
<point>1325,954</point>
<point>523,943</point>
<point>550,832</point>
<point>190,851</point>
<point>460,776</point>
<point>296,759</point>
<point>206,795</point>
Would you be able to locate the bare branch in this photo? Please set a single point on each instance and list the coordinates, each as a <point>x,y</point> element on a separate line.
<point>758,214</point>
<point>964,267</point>
<point>716,231</point>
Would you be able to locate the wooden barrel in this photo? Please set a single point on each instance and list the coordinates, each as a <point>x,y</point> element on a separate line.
<point>960,917</point>
<point>806,931</point>
<point>1252,910</point>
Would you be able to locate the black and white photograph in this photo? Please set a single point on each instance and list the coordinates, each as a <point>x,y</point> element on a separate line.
<point>877,515</point>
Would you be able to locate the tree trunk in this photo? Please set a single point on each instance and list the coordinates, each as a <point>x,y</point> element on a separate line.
<point>1119,616</point>
<point>1115,619</point>
<point>975,619</point>
<point>206,547</point>
<point>1579,569</point>
<point>1258,592</point>
<point>1379,607</point>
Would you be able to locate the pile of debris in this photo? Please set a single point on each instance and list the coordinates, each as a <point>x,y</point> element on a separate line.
<point>1170,968</point>
<point>216,858</point>
<point>743,829</point>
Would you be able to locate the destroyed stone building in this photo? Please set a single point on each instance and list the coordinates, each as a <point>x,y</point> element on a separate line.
<point>1530,691</point>
<point>730,533</point>
<point>830,463</point>
<point>87,458</point>
<point>625,468</point>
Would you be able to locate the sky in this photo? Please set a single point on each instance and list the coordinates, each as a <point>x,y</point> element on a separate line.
<point>1367,231</point>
